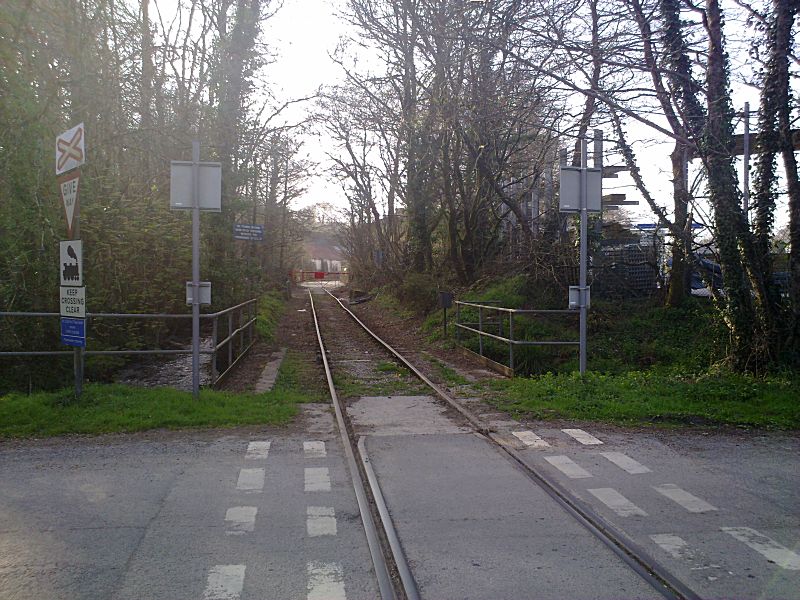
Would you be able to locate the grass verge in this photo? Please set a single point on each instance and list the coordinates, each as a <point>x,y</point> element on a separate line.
<point>119,408</point>
<point>646,397</point>
<point>270,309</point>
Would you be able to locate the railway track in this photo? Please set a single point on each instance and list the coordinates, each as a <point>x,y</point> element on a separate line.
<point>395,576</point>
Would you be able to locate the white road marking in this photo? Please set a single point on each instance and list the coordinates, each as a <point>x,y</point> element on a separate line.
<point>672,544</point>
<point>617,502</point>
<point>320,520</point>
<point>318,479</point>
<point>241,519</point>
<point>568,467</point>
<point>691,503</point>
<point>626,463</point>
<point>257,450</point>
<point>325,581</point>
<point>530,439</point>
<point>250,480</point>
<point>767,547</point>
<point>583,437</point>
<point>314,449</point>
<point>225,582</point>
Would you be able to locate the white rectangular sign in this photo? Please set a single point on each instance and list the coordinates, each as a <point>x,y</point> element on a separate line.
<point>569,195</point>
<point>205,292</point>
<point>209,186</point>
<point>70,149</point>
<point>70,268</point>
<point>73,302</point>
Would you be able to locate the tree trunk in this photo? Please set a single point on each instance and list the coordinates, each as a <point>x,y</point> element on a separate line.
<point>724,194</point>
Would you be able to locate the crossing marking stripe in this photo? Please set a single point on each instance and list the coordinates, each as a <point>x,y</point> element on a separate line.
<point>325,581</point>
<point>672,544</point>
<point>315,449</point>
<point>767,547</point>
<point>617,502</point>
<point>626,463</point>
<point>241,518</point>
<point>317,479</point>
<point>688,501</point>
<point>250,480</point>
<point>583,437</point>
<point>257,450</point>
<point>225,582</point>
<point>568,467</point>
<point>530,439</point>
<point>320,520</point>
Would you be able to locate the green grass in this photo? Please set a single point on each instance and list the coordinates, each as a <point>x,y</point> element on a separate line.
<point>648,397</point>
<point>119,408</point>
<point>270,309</point>
<point>349,386</point>
<point>388,366</point>
<point>451,376</point>
<point>302,377</point>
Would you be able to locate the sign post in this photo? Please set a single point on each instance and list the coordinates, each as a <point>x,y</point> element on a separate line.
<point>196,269</point>
<point>70,155</point>
<point>584,185</point>
<point>196,186</point>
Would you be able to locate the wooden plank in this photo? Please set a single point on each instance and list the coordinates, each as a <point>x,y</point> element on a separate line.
<point>489,363</point>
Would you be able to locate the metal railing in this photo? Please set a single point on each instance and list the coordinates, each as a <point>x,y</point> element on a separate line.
<point>503,321</point>
<point>238,330</point>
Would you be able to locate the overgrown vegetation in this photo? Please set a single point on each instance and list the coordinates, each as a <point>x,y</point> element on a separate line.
<point>138,113</point>
<point>649,364</point>
<point>270,308</point>
<point>301,376</point>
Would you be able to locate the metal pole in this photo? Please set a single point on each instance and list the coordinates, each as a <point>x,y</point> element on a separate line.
<point>583,258</point>
<point>78,358</point>
<point>480,329</point>
<point>458,320</point>
<point>214,335</point>
<point>511,341</point>
<point>195,269</point>
<point>746,153</point>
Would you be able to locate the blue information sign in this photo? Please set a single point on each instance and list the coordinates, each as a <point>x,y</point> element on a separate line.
<point>73,332</point>
<point>252,233</point>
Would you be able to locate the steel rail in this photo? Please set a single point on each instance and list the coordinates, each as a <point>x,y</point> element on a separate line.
<point>628,551</point>
<point>476,424</point>
<point>373,541</point>
<point>409,583</point>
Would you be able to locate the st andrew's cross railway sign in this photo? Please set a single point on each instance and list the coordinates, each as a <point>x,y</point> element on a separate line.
<point>70,149</point>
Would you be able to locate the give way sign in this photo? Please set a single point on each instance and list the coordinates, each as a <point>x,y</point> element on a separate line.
<point>70,149</point>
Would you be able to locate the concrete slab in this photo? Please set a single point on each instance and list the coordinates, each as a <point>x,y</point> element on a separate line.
<point>398,415</point>
<point>270,373</point>
<point>475,528</point>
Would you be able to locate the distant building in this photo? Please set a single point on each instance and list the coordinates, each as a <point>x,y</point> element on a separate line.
<point>322,252</point>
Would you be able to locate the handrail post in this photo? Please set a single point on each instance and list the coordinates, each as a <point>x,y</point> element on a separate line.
<point>458,322</point>
<point>230,339</point>
<point>214,335</point>
<point>252,327</point>
<point>511,341</point>
<point>480,330</point>
<point>241,331</point>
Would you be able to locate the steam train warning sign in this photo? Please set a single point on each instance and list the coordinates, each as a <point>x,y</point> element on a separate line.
<point>71,264</point>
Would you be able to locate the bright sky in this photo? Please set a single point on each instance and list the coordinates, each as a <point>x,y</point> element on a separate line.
<point>304,33</point>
